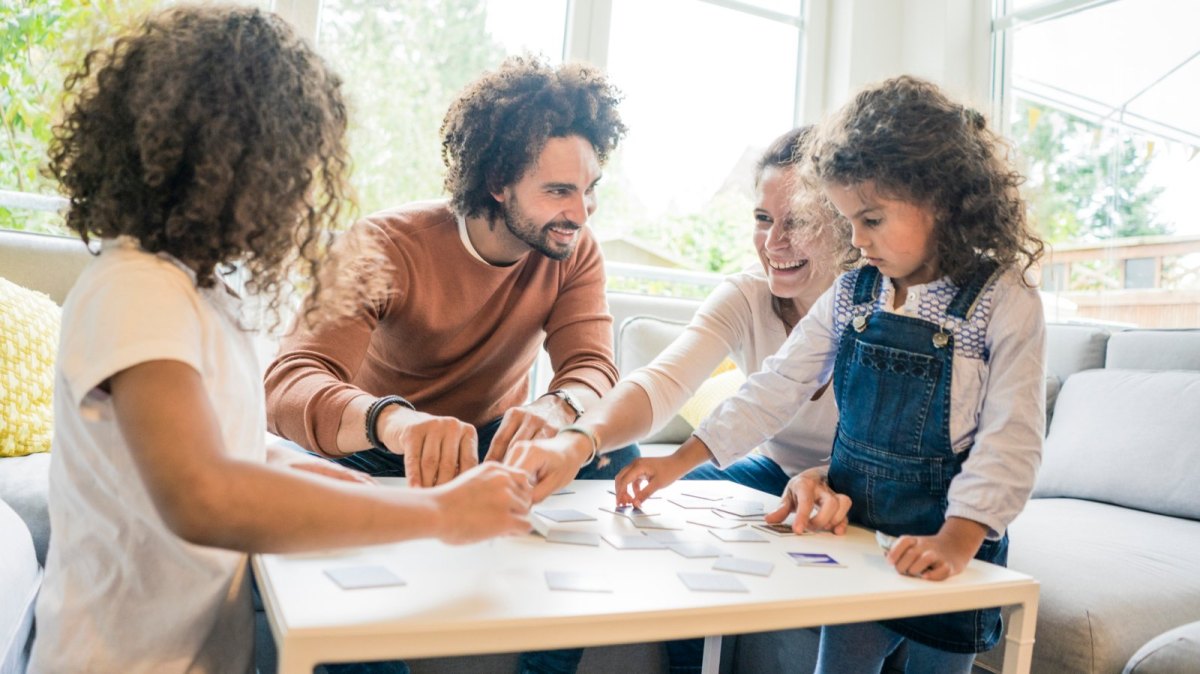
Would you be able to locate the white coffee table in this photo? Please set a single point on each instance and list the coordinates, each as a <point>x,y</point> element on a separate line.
<point>492,597</point>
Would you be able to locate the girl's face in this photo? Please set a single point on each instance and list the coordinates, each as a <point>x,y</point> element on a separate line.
<point>896,236</point>
<point>786,258</point>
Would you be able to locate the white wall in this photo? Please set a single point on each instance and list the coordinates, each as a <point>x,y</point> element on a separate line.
<point>857,42</point>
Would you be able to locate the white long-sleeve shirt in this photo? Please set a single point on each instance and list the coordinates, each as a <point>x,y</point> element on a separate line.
<point>737,320</point>
<point>997,391</point>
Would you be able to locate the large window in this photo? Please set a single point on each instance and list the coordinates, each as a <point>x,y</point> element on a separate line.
<point>707,85</point>
<point>1100,99</point>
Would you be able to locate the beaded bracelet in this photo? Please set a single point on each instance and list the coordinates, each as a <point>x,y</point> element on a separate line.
<point>373,417</point>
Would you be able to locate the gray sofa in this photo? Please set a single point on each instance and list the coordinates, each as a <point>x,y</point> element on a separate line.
<point>1113,531</point>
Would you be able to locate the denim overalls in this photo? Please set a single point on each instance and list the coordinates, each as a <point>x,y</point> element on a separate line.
<point>892,452</point>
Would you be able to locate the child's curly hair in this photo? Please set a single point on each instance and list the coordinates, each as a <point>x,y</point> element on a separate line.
<point>500,123</point>
<point>214,134</point>
<point>917,145</point>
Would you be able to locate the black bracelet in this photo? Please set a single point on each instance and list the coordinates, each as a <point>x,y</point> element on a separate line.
<point>373,417</point>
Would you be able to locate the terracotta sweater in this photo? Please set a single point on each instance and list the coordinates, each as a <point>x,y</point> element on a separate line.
<point>456,336</point>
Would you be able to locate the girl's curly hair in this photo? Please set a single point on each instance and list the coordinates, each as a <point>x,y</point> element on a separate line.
<point>214,134</point>
<point>500,123</point>
<point>917,145</point>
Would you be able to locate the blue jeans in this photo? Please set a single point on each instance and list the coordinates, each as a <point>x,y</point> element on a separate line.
<point>862,647</point>
<point>381,463</point>
<point>753,470</point>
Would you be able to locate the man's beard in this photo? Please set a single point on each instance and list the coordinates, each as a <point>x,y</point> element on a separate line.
<point>537,238</point>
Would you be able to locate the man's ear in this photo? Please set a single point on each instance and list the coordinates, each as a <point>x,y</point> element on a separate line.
<point>498,192</point>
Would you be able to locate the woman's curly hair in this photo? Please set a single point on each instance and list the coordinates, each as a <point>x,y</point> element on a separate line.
<point>214,134</point>
<point>917,145</point>
<point>498,126</point>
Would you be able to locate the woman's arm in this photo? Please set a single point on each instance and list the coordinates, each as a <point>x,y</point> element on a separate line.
<point>208,498</point>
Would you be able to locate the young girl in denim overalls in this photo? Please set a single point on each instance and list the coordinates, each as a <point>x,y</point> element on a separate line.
<point>935,345</point>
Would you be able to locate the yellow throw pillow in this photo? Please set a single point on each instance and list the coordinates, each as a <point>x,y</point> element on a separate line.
<point>711,393</point>
<point>28,341</point>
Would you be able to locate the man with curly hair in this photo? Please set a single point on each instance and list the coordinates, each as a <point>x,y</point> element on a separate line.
<point>435,378</point>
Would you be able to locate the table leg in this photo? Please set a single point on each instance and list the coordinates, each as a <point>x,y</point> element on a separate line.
<point>1018,649</point>
<point>712,655</point>
<point>294,663</point>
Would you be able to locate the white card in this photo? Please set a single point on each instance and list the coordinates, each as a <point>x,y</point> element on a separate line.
<point>361,577</point>
<point>629,511</point>
<point>696,550</point>
<point>714,522</point>
<point>738,535</point>
<point>648,498</point>
<point>633,542</point>
<point>741,507</point>
<point>577,582</point>
<point>669,536</point>
<point>563,492</point>
<point>564,515</point>
<point>573,537</point>
<point>657,523</point>
<point>885,541</point>
<point>711,582</point>
<point>815,559</point>
<point>540,526</point>
<point>709,494</point>
<point>691,502</point>
<point>743,565</point>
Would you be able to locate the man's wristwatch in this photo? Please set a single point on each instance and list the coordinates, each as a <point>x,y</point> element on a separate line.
<point>568,398</point>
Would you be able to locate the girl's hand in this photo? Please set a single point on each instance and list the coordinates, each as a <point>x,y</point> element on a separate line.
<point>939,556</point>
<point>817,507</point>
<point>488,500</point>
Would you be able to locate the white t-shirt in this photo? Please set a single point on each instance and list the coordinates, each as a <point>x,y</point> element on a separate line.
<point>736,320</point>
<point>122,592</point>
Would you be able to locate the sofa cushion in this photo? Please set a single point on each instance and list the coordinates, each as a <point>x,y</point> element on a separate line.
<point>1174,651</point>
<point>1154,350</point>
<point>1111,579</point>
<point>639,340</point>
<point>28,341</point>
<point>25,486</point>
<point>1074,348</point>
<point>1126,437</point>
<point>20,578</point>
<point>42,262</point>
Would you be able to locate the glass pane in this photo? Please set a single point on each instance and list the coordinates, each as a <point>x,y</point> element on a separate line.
<point>1109,141</point>
<point>404,61</point>
<point>791,8</point>
<point>706,90</point>
<point>39,41</point>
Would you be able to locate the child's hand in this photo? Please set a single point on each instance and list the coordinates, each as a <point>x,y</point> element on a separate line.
<point>488,500</point>
<point>939,556</point>
<point>806,491</point>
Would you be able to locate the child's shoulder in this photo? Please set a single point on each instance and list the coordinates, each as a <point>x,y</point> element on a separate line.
<point>122,264</point>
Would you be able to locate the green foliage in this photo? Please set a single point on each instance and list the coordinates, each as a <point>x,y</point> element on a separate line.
<point>403,62</point>
<point>1083,184</point>
<point>39,41</point>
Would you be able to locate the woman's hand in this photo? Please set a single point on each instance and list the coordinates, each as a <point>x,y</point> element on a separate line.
<point>640,479</point>
<point>817,507</point>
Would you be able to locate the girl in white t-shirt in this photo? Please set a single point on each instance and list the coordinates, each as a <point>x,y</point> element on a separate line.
<point>208,137</point>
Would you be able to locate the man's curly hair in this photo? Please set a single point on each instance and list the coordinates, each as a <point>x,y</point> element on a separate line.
<point>917,145</point>
<point>498,126</point>
<point>214,134</point>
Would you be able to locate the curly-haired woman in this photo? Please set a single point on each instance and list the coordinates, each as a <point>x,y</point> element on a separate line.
<point>205,138</point>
